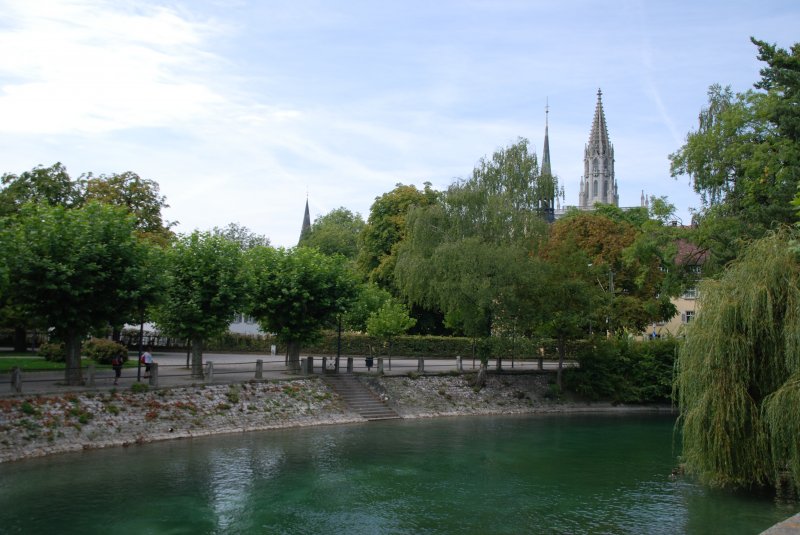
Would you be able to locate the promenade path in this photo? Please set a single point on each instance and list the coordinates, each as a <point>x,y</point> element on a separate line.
<point>236,368</point>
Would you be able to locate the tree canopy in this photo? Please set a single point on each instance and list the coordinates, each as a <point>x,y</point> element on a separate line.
<point>336,232</point>
<point>738,371</point>
<point>294,293</point>
<point>41,185</point>
<point>385,230</point>
<point>205,287</point>
<point>139,196</point>
<point>469,254</point>
<point>744,157</point>
<point>75,269</point>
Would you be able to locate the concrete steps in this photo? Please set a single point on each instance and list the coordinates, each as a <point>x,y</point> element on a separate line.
<point>359,398</point>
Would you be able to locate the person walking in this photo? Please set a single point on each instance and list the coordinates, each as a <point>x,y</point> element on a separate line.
<point>116,365</point>
<point>147,360</point>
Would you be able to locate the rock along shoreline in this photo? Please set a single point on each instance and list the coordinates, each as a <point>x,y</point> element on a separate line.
<point>35,426</point>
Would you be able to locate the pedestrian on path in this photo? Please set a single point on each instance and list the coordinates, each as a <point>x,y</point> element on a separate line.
<point>147,360</point>
<point>116,364</point>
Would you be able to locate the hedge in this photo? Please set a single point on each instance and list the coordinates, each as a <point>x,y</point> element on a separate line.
<point>624,371</point>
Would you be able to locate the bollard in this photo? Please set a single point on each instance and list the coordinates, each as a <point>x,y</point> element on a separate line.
<point>259,369</point>
<point>541,358</point>
<point>459,365</point>
<point>499,364</point>
<point>310,364</point>
<point>420,364</point>
<point>303,366</point>
<point>209,372</point>
<point>16,379</point>
<point>336,365</point>
<point>90,375</point>
<point>324,364</point>
<point>380,365</point>
<point>154,374</point>
<point>349,364</point>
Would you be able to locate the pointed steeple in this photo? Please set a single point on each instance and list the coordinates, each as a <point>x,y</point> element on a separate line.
<point>598,138</point>
<point>598,183</point>
<point>306,223</point>
<point>546,153</point>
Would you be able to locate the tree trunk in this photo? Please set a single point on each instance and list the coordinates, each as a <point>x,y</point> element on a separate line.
<point>116,334</point>
<point>480,378</point>
<point>72,372</point>
<point>197,358</point>
<point>562,350</point>
<point>293,356</point>
<point>20,339</point>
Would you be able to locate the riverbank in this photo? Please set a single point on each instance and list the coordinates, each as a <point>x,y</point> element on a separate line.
<point>33,426</point>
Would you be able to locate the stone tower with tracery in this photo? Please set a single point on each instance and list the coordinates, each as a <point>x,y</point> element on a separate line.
<point>598,184</point>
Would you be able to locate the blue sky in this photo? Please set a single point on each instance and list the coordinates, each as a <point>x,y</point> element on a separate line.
<point>238,109</point>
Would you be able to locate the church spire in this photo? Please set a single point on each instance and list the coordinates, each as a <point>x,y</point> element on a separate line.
<point>546,153</point>
<point>598,183</point>
<point>306,223</point>
<point>598,138</point>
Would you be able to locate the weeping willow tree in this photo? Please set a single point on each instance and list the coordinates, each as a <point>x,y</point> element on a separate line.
<point>738,372</point>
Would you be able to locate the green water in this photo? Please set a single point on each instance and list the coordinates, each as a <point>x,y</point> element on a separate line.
<point>542,474</point>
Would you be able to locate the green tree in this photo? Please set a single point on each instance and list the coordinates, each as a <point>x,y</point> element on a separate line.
<point>42,185</point>
<point>390,321</point>
<point>246,238</point>
<point>737,371</point>
<point>205,287</point>
<point>336,232</point>
<point>297,292</point>
<point>386,229</point>
<point>470,254</point>
<point>628,263</point>
<point>75,269</point>
<point>369,299</point>
<point>564,300</point>
<point>140,197</point>
<point>744,158</point>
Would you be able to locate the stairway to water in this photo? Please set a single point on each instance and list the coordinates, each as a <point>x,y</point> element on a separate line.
<point>359,398</point>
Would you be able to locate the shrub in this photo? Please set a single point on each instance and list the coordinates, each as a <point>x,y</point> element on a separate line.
<point>53,351</point>
<point>624,371</point>
<point>102,350</point>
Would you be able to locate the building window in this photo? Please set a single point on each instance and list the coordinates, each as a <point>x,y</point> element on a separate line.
<point>690,293</point>
<point>594,189</point>
<point>687,316</point>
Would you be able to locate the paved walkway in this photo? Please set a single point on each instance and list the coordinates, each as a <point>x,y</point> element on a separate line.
<point>232,368</point>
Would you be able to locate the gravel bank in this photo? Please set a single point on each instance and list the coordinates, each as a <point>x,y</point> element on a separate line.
<point>33,426</point>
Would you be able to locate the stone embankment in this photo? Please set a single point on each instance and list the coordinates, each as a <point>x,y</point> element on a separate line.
<point>32,426</point>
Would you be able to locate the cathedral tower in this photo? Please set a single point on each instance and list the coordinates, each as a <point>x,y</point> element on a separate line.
<point>598,184</point>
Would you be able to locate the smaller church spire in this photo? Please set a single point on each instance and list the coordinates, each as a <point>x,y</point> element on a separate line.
<point>306,223</point>
<point>546,153</point>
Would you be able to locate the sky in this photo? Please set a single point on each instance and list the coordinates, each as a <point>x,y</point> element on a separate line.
<point>243,110</point>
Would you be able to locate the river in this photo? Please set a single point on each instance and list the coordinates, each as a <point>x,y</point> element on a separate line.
<point>510,474</point>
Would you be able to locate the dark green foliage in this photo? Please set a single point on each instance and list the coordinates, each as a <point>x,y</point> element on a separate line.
<point>624,371</point>
<point>74,269</point>
<point>53,351</point>
<point>335,233</point>
<point>737,373</point>
<point>103,351</point>
<point>206,287</point>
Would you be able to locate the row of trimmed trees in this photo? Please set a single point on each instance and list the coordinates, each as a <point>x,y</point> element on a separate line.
<point>82,269</point>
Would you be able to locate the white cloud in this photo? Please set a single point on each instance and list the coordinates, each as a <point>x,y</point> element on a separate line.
<point>91,67</point>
